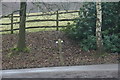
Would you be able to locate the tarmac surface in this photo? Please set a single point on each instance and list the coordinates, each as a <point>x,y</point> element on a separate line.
<point>86,71</point>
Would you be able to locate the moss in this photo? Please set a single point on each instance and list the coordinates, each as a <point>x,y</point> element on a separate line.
<point>15,51</point>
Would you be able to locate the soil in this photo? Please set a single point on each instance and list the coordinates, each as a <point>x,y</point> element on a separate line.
<point>44,52</point>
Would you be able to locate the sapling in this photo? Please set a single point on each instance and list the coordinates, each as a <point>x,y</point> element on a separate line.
<point>59,42</point>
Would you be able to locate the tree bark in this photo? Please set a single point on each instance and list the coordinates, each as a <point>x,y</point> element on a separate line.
<point>98,28</point>
<point>21,41</point>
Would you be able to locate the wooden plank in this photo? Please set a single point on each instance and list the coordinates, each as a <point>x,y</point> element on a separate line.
<point>42,14</point>
<point>38,20</point>
<point>57,20</point>
<point>11,23</point>
<point>33,27</point>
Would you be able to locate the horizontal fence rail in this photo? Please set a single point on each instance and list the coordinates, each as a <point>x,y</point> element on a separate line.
<point>57,20</point>
<point>38,20</point>
<point>42,14</point>
<point>34,27</point>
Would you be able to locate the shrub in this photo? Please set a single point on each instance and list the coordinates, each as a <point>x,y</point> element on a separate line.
<point>112,43</point>
<point>89,43</point>
<point>83,28</point>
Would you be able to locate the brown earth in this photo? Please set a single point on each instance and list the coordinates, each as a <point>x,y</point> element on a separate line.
<point>44,52</point>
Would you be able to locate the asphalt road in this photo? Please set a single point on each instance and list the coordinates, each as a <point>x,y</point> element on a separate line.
<point>88,71</point>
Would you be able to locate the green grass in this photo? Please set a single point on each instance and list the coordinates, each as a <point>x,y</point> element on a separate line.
<point>31,24</point>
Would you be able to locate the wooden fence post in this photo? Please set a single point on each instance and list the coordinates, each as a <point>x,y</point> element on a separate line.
<point>12,23</point>
<point>57,20</point>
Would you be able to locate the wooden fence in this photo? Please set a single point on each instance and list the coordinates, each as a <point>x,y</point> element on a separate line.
<point>38,20</point>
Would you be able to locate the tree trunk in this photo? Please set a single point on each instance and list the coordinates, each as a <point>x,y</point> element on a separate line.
<point>98,28</point>
<point>21,42</point>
